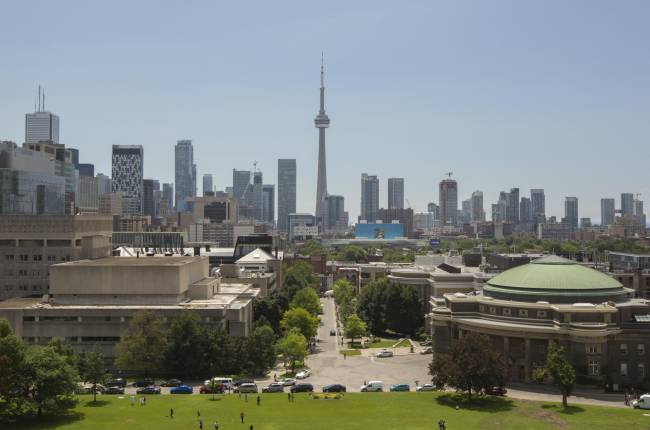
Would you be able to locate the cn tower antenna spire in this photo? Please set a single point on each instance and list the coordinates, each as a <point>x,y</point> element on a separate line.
<point>322,70</point>
<point>321,122</point>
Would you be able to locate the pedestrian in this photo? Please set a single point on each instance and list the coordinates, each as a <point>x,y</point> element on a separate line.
<point>275,377</point>
<point>289,396</point>
<point>442,425</point>
<point>241,416</point>
<point>216,426</point>
<point>251,427</point>
<point>293,396</point>
<point>246,398</point>
<point>258,400</point>
<point>626,402</point>
<point>198,413</point>
<point>132,400</point>
<point>171,413</point>
<point>201,424</point>
<point>144,401</point>
<point>345,356</point>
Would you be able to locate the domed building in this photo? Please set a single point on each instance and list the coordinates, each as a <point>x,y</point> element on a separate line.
<point>603,328</point>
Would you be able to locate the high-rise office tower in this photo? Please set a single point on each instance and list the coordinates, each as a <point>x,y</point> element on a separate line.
<point>103,184</point>
<point>241,180</point>
<point>638,211</point>
<point>369,198</point>
<point>333,216</point>
<point>256,200</point>
<point>86,169</point>
<point>168,193</point>
<point>571,211</point>
<point>41,125</point>
<point>465,215</point>
<point>286,191</point>
<point>525,210</point>
<point>477,206</point>
<point>127,171</point>
<point>395,193</point>
<point>268,203</point>
<point>607,211</point>
<point>538,202</point>
<point>207,183</point>
<point>147,198</point>
<point>627,204</point>
<point>321,122</point>
<point>434,209</point>
<point>513,205</point>
<point>184,173</point>
<point>448,195</point>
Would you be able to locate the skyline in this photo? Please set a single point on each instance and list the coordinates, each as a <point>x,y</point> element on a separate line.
<point>577,102</point>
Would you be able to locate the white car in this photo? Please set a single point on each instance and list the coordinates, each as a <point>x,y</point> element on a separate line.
<point>288,382</point>
<point>372,387</point>
<point>384,353</point>
<point>642,403</point>
<point>305,373</point>
<point>425,387</point>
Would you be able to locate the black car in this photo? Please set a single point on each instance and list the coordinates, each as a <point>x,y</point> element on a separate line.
<point>117,382</point>
<point>148,390</point>
<point>114,390</point>
<point>146,382</point>
<point>496,391</point>
<point>302,388</point>
<point>334,388</point>
<point>238,382</point>
<point>172,383</point>
<point>332,333</point>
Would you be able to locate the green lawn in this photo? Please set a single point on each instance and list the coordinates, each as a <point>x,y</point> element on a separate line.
<point>350,352</point>
<point>353,411</point>
<point>382,343</point>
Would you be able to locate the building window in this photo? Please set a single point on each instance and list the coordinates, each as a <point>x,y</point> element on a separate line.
<point>24,257</point>
<point>37,257</point>
<point>623,349</point>
<point>640,370</point>
<point>593,349</point>
<point>567,318</point>
<point>507,311</point>
<point>608,318</point>
<point>541,314</point>
<point>51,258</point>
<point>623,368</point>
<point>481,308</point>
<point>493,310</point>
<point>523,313</point>
<point>593,366</point>
<point>640,349</point>
<point>9,257</point>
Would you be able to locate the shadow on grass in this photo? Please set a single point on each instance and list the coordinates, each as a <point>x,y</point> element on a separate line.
<point>97,404</point>
<point>482,404</point>
<point>47,422</point>
<point>569,410</point>
<point>216,399</point>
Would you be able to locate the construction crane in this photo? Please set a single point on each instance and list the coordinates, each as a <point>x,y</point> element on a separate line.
<point>408,202</point>
<point>255,166</point>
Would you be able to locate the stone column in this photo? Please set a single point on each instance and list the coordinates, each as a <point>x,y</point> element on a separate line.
<point>527,360</point>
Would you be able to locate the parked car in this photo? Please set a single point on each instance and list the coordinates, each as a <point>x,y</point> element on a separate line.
<point>305,373</point>
<point>226,382</point>
<point>427,350</point>
<point>181,389</point>
<point>114,390</point>
<point>274,387</point>
<point>496,391</point>
<point>332,332</point>
<point>246,387</point>
<point>148,390</point>
<point>302,388</point>
<point>400,387</point>
<point>146,382</point>
<point>87,388</point>
<point>334,388</point>
<point>642,403</point>
<point>426,343</point>
<point>384,353</point>
<point>372,386</point>
<point>171,383</point>
<point>117,382</point>
<point>425,387</point>
<point>208,389</point>
<point>287,382</point>
<point>238,382</point>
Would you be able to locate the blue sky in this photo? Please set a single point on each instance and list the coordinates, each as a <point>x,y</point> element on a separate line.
<point>546,94</point>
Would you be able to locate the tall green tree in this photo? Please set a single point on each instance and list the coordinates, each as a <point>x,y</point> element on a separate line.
<point>52,380</point>
<point>302,320</point>
<point>559,369</point>
<point>92,369</point>
<point>143,344</point>
<point>269,309</point>
<point>308,299</point>
<point>345,297</point>
<point>471,365</point>
<point>186,346</point>
<point>14,380</point>
<point>260,350</point>
<point>293,348</point>
<point>371,305</point>
<point>354,328</point>
<point>403,308</point>
<point>64,348</point>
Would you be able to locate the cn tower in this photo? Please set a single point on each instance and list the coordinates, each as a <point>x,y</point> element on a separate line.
<point>321,122</point>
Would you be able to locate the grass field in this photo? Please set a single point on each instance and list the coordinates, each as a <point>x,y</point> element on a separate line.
<point>353,411</point>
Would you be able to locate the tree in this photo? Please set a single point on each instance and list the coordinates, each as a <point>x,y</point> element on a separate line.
<point>307,299</point>
<point>559,369</point>
<point>92,369</point>
<point>344,296</point>
<point>64,348</point>
<point>14,382</point>
<point>260,350</point>
<point>471,365</point>
<point>354,328</point>
<point>186,346</point>
<point>352,253</point>
<point>311,247</point>
<point>302,320</point>
<point>52,380</point>
<point>403,308</point>
<point>293,347</point>
<point>143,344</point>
<point>299,275</point>
<point>269,309</point>
<point>371,305</point>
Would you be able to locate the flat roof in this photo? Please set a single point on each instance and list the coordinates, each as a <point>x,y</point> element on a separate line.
<point>143,261</point>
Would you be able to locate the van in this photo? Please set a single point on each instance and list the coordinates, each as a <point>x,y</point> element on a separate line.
<point>642,403</point>
<point>226,382</point>
<point>372,386</point>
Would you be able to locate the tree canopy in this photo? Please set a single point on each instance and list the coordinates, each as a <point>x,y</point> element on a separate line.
<point>345,298</point>
<point>308,299</point>
<point>302,320</point>
<point>143,344</point>
<point>384,305</point>
<point>293,347</point>
<point>354,328</point>
<point>559,370</point>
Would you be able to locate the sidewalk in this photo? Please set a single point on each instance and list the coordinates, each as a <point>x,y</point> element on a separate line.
<point>581,395</point>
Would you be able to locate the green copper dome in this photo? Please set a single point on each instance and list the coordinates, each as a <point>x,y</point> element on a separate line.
<point>555,279</point>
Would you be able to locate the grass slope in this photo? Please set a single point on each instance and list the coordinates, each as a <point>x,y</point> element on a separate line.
<point>353,411</point>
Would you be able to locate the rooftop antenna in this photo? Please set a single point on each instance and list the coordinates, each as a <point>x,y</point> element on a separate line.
<point>254,166</point>
<point>43,98</point>
<point>449,174</point>
<point>39,97</point>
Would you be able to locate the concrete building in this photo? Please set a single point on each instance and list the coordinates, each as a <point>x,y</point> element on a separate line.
<point>286,191</point>
<point>302,226</point>
<point>423,221</point>
<point>41,126</point>
<point>638,211</point>
<point>513,206</point>
<point>207,183</point>
<point>88,195</point>
<point>571,211</point>
<point>448,195</point>
<point>369,198</point>
<point>110,204</point>
<point>216,208</point>
<point>478,214</point>
<point>148,207</point>
<point>525,210</point>
<point>538,202</point>
<point>184,173</point>
<point>127,172</point>
<point>607,211</point>
<point>627,204</point>
<point>268,204</point>
<point>91,304</point>
<point>435,210</point>
<point>241,180</point>
<point>602,328</point>
<point>103,184</point>
<point>555,231</point>
<point>395,193</point>
<point>333,217</point>
<point>86,169</point>
<point>403,216</point>
<point>30,244</point>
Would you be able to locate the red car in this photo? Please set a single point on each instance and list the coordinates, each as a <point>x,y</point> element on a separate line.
<point>206,389</point>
